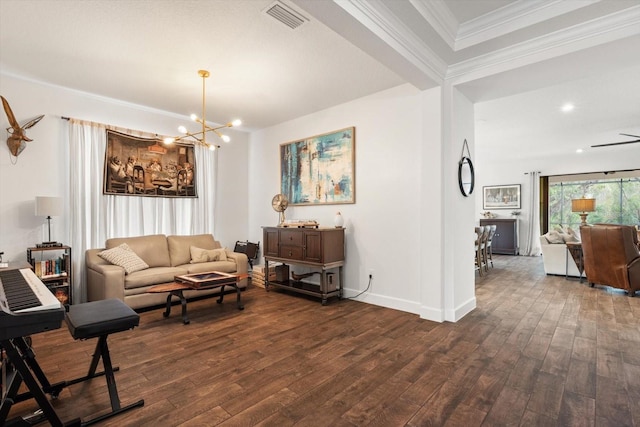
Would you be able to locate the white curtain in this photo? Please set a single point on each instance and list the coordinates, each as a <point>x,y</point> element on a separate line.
<point>95,217</point>
<point>532,245</point>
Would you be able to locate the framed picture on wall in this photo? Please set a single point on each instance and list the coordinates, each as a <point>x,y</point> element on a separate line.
<point>319,169</point>
<point>501,197</point>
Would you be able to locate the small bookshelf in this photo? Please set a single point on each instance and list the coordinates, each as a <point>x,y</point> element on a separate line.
<point>52,265</point>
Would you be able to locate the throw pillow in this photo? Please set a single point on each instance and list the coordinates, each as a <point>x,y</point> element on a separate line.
<point>573,237</point>
<point>124,257</point>
<point>199,255</point>
<point>554,237</point>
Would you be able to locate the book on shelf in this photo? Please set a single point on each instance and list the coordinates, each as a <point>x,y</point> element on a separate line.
<point>51,268</point>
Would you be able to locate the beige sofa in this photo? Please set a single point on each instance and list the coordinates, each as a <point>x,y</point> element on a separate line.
<point>167,257</point>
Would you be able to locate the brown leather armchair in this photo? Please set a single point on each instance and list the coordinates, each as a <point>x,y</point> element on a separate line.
<point>611,256</point>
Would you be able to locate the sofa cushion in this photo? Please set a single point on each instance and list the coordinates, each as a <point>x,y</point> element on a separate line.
<point>152,249</point>
<point>153,276</point>
<point>180,247</point>
<point>123,256</point>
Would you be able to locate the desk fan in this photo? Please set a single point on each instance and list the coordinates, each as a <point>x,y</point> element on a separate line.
<point>280,204</point>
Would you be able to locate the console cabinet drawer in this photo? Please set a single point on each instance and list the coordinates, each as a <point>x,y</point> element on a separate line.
<point>290,237</point>
<point>292,252</point>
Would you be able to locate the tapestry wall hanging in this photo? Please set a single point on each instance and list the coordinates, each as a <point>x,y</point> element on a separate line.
<point>136,166</point>
<point>319,169</point>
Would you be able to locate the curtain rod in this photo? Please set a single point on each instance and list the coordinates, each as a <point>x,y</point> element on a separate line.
<point>134,132</point>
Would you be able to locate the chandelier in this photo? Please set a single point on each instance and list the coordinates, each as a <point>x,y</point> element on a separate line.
<point>201,136</point>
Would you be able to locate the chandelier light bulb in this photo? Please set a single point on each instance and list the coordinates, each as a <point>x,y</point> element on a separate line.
<point>200,136</point>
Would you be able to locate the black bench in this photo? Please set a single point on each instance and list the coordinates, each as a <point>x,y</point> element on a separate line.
<point>98,319</point>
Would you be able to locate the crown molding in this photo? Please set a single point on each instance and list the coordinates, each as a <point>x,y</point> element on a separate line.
<point>439,16</point>
<point>513,17</point>
<point>376,17</point>
<point>497,23</point>
<point>621,24</point>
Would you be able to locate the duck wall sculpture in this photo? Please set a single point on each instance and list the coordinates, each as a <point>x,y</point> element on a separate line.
<point>17,134</point>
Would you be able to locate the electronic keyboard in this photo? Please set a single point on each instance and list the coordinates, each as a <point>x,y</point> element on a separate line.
<point>28,306</point>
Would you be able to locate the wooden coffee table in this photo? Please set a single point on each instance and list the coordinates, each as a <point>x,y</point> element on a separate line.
<point>198,282</point>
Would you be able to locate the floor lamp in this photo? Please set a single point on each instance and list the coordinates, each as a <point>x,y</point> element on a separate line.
<point>583,207</point>
<point>49,206</point>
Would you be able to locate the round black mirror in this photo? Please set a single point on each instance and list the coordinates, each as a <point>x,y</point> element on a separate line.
<point>466,176</point>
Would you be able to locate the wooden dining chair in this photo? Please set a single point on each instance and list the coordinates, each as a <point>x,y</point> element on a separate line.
<point>479,248</point>
<point>488,248</point>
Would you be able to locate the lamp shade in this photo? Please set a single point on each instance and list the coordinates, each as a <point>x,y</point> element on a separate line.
<point>48,206</point>
<point>583,205</point>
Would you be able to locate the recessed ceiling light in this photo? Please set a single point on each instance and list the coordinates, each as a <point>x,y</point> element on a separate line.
<point>579,150</point>
<point>568,107</point>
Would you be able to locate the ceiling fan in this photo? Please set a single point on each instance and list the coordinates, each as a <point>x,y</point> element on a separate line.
<point>620,143</point>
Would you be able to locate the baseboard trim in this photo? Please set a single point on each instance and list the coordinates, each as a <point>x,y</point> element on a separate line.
<point>461,311</point>
<point>384,301</point>
<point>428,313</point>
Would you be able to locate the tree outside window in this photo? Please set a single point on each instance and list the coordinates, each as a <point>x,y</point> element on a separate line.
<point>617,201</point>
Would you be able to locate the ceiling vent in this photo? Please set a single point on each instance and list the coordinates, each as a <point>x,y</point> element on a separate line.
<point>286,15</point>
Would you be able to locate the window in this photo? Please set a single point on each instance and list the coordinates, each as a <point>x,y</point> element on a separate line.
<point>617,199</point>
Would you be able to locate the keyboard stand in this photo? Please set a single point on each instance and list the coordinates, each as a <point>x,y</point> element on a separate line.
<point>22,358</point>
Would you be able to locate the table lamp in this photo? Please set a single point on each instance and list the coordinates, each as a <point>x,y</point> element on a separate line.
<point>49,206</point>
<point>583,206</point>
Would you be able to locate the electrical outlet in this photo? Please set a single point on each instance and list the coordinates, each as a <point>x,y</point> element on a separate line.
<point>370,274</point>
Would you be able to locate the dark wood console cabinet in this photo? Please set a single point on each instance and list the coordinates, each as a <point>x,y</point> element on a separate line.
<point>505,241</point>
<point>316,248</point>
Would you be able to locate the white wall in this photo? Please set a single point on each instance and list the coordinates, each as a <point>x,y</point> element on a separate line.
<point>432,234</point>
<point>42,168</point>
<point>398,143</point>
<point>459,278</point>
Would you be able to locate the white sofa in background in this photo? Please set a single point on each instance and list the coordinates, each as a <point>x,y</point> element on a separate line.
<point>555,256</point>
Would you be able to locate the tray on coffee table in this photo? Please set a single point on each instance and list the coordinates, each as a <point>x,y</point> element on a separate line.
<point>207,279</point>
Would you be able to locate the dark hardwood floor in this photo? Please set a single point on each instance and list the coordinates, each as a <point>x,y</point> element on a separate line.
<point>537,351</point>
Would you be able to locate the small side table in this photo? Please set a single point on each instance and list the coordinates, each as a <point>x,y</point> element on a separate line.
<point>575,249</point>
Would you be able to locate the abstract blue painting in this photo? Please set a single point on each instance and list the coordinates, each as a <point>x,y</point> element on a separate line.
<point>320,169</point>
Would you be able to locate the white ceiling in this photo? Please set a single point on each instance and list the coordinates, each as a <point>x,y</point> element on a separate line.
<point>519,60</point>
